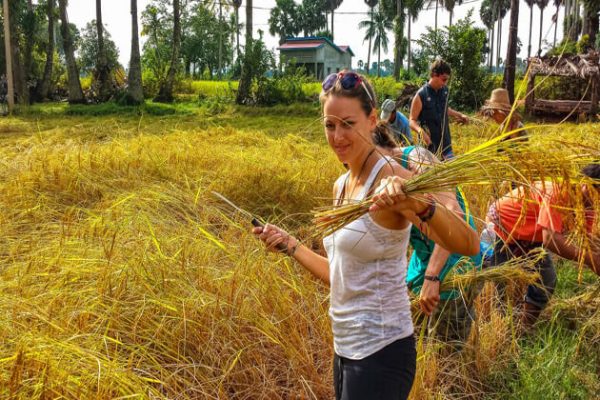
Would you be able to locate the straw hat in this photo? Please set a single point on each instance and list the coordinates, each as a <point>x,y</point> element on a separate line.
<point>499,101</point>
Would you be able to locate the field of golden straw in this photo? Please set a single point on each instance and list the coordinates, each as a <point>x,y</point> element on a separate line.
<point>122,276</point>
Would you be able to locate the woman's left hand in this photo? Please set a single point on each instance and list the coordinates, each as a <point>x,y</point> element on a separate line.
<point>390,195</point>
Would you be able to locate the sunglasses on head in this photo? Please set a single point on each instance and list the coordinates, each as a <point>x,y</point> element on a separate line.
<point>348,80</point>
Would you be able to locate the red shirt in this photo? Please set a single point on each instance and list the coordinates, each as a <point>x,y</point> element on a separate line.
<point>525,212</point>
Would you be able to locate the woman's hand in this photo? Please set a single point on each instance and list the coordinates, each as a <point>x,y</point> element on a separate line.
<point>430,296</point>
<point>275,239</point>
<point>390,195</point>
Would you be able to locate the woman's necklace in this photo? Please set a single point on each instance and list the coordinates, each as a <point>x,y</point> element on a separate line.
<point>360,171</point>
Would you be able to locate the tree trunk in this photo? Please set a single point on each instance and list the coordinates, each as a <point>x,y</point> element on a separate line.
<point>44,86</point>
<point>75,92</point>
<point>246,78</point>
<point>450,21</point>
<point>332,11</point>
<point>491,60</point>
<point>370,43</point>
<point>591,24</point>
<point>165,93</point>
<point>398,36</point>
<point>28,56</point>
<point>19,82</point>
<point>499,40</point>
<point>436,14</point>
<point>135,92</point>
<point>10,95</point>
<point>556,25</point>
<point>511,52</point>
<point>409,56</point>
<point>102,69</point>
<point>237,31</point>
<point>539,53</point>
<point>379,61</point>
<point>220,41</point>
<point>530,31</point>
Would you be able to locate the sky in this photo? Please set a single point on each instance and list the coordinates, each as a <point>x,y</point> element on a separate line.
<point>116,17</point>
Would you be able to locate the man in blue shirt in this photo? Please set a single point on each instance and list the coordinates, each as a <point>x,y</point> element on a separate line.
<point>397,121</point>
<point>429,112</point>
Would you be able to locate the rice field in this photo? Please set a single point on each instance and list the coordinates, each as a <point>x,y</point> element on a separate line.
<point>121,276</point>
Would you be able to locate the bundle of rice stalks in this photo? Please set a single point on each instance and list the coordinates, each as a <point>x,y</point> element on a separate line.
<point>582,310</point>
<point>516,271</point>
<point>495,162</point>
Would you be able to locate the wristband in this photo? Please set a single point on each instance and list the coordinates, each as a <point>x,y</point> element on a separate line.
<point>293,249</point>
<point>433,278</point>
<point>427,214</point>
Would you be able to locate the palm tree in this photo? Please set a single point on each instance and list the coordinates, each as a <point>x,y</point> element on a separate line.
<point>332,5</point>
<point>487,12</point>
<point>377,27</point>
<point>44,85</point>
<point>502,6</point>
<point>511,52</point>
<point>246,78</point>
<point>542,5</point>
<point>398,38</point>
<point>591,8</point>
<point>557,4</point>
<point>8,52</point>
<point>413,7</point>
<point>530,4</point>
<point>371,4</point>
<point>165,93</point>
<point>75,92</point>
<point>102,68</point>
<point>237,4</point>
<point>135,93</point>
<point>450,4</point>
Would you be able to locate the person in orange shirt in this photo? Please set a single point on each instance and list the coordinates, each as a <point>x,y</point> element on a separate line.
<point>539,216</point>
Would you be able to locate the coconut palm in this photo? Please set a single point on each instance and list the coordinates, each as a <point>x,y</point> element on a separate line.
<point>10,99</point>
<point>542,5</point>
<point>135,93</point>
<point>245,77</point>
<point>102,68</point>
<point>371,4</point>
<point>44,85</point>
<point>511,51</point>
<point>236,5</point>
<point>557,4</point>
<point>332,5</point>
<point>74,85</point>
<point>488,12</point>
<point>530,4</point>
<point>502,7</point>
<point>377,27</point>
<point>449,5</point>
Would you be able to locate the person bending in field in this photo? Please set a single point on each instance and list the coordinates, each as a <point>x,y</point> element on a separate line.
<point>365,266</point>
<point>429,111</point>
<point>543,215</point>
<point>451,314</point>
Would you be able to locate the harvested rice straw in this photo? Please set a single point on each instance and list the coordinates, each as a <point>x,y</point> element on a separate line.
<point>492,163</point>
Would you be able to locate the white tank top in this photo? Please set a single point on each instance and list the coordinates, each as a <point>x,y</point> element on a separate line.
<point>369,305</point>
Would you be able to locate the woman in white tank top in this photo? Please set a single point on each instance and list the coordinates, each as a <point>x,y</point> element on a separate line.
<point>375,356</point>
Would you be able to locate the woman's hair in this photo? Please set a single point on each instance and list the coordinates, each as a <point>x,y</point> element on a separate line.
<point>382,136</point>
<point>359,93</point>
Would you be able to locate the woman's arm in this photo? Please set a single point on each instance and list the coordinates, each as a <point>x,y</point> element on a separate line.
<point>444,227</point>
<point>272,235</point>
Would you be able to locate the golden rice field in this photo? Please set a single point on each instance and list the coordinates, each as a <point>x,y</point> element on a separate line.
<point>121,276</point>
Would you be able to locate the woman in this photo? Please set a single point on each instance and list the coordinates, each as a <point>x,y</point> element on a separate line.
<point>498,108</point>
<point>375,356</point>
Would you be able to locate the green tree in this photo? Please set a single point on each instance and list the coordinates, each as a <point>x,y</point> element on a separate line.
<point>449,5</point>
<point>246,76</point>
<point>413,8</point>
<point>135,93</point>
<point>376,29</point>
<point>530,4</point>
<point>165,93</point>
<point>89,49</point>
<point>284,20</point>
<point>461,45</point>
<point>371,4</point>
<point>488,14</point>
<point>511,52</point>
<point>542,5</point>
<point>312,16</point>
<point>74,85</point>
<point>43,86</point>
<point>332,5</point>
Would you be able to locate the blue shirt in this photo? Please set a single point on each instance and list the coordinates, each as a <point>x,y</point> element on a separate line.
<point>401,129</point>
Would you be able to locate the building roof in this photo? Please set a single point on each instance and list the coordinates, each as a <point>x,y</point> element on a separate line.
<point>312,42</point>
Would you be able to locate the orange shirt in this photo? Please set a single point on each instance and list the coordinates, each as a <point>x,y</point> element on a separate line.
<point>525,212</point>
